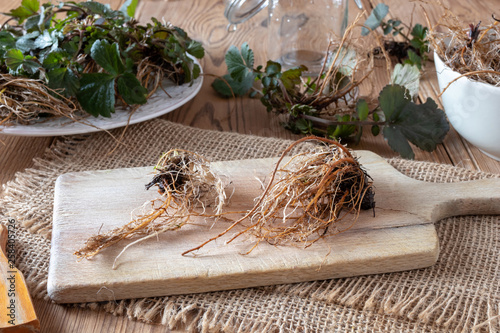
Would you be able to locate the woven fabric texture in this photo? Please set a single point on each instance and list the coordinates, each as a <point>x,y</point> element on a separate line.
<point>461,293</point>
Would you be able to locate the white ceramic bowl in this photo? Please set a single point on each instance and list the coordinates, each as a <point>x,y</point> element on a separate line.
<point>473,108</point>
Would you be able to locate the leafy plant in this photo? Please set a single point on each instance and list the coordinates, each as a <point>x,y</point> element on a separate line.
<point>413,51</point>
<point>395,115</point>
<point>94,55</point>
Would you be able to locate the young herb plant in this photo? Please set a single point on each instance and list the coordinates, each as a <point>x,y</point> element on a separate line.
<point>95,56</point>
<point>413,50</point>
<point>313,110</point>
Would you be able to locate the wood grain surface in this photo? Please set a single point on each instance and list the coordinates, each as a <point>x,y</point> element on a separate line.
<point>204,20</point>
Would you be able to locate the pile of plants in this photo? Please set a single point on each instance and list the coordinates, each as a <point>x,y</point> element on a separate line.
<point>56,59</point>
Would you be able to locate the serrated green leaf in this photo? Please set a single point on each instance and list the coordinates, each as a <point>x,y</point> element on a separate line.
<point>424,125</point>
<point>14,59</point>
<point>398,142</point>
<point>419,31</point>
<point>393,99</point>
<point>128,7</point>
<point>195,49</point>
<point>64,80</point>
<point>131,90</point>
<point>97,94</point>
<point>27,8</point>
<point>17,63</point>
<point>414,59</point>
<point>107,56</point>
<point>362,109</point>
<point>375,18</point>
<point>228,86</point>
<point>407,76</point>
<point>239,65</point>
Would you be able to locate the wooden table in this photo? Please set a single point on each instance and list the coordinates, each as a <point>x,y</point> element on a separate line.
<point>204,21</point>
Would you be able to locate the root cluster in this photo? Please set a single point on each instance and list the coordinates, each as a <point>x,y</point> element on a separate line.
<point>23,100</point>
<point>186,184</point>
<point>472,49</point>
<point>313,192</point>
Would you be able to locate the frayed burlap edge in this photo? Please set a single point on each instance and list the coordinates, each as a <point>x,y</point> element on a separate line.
<point>388,302</point>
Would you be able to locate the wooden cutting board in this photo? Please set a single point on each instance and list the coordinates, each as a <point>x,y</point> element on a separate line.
<point>400,237</point>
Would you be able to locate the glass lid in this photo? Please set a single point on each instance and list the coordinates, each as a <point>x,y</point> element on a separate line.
<point>238,11</point>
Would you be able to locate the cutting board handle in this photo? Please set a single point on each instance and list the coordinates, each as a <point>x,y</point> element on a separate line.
<point>475,197</point>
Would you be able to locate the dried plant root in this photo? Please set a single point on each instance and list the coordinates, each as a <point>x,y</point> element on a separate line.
<point>23,100</point>
<point>312,192</point>
<point>473,50</point>
<point>186,183</point>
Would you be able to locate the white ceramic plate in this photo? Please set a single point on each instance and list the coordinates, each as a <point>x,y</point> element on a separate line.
<point>159,104</point>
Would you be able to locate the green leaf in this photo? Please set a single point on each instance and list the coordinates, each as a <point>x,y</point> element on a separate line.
<point>195,49</point>
<point>362,109</point>
<point>375,18</point>
<point>17,63</point>
<point>393,99</point>
<point>291,77</point>
<point>14,59</point>
<point>414,59</point>
<point>304,125</point>
<point>131,90</point>
<point>375,130</point>
<point>7,40</point>
<point>424,125</point>
<point>344,131</point>
<point>239,64</point>
<point>128,7</point>
<point>97,94</point>
<point>196,71</point>
<point>27,8</point>
<point>26,43</point>
<point>55,60</point>
<point>107,56</point>
<point>48,39</point>
<point>419,31</point>
<point>398,142</point>
<point>97,8</point>
<point>273,68</point>
<point>228,86</point>
<point>64,80</point>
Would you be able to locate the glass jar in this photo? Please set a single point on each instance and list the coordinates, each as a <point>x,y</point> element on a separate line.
<point>299,31</point>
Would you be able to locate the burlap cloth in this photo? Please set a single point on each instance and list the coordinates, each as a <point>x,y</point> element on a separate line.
<point>461,293</point>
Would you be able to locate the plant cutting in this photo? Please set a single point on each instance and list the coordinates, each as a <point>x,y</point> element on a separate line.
<point>328,105</point>
<point>73,56</point>
<point>468,68</point>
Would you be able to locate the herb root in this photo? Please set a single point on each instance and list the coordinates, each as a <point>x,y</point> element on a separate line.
<point>313,192</point>
<point>186,183</point>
